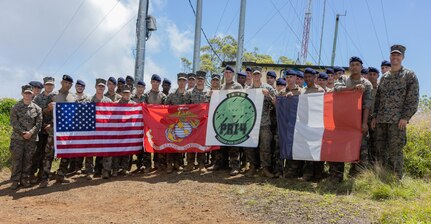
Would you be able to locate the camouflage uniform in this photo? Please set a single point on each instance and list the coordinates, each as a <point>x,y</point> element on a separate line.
<point>197,96</point>
<point>265,133</point>
<point>231,151</point>
<point>397,98</point>
<point>293,167</point>
<point>312,168</point>
<point>139,156</point>
<point>23,118</point>
<point>42,101</point>
<point>102,164</point>
<point>121,162</point>
<point>153,97</point>
<point>176,98</point>
<point>114,98</point>
<point>372,153</point>
<point>367,99</point>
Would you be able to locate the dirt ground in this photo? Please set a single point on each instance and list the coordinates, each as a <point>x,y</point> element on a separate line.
<point>170,198</point>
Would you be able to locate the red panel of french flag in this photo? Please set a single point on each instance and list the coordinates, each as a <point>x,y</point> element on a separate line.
<point>320,126</point>
<point>97,129</point>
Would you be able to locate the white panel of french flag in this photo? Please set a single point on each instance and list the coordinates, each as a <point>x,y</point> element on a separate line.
<point>320,126</point>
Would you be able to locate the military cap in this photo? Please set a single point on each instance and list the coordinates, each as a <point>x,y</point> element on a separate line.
<point>67,78</point>
<point>141,83</point>
<point>121,79</point>
<point>323,75</point>
<point>354,58</point>
<point>156,77</point>
<point>113,80</point>
<point>386,63</point>
<point>48,80</point>
<point>182,76</point>
<point>126,89</point>
<point>338,69</point>
<point>397,48</point>
<point>309,71</point>
<point>26,89</point>
<point>329,71</point>
<point>229,68</point>
<point>167,81</point>
<point>215,76</point>
<point>280,82</point>
<point>372,69</point>
<point>201,74</point>
<point>300,74</point>
<point>271,74</point>
<point>99,82</point>
<point>364,71</point>
<point>80,82</point>
<point>36,84</point>
<point>248,69</point>
<point>191,76</point>
<point>129,78</point>
<point>290,72</point>
<point>243,74</point>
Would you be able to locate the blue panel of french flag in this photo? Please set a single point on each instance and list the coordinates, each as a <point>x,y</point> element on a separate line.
<point>320,126</point>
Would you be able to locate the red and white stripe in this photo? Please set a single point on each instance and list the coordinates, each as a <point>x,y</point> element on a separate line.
<point>119,131</point>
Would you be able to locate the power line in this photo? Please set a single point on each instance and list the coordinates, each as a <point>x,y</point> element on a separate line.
<point>88,36</point>
<point>354,44</point>
<point>290,27</point>
<point>221,17</point>
<point>205,35</point>
<point>374,28</point>
<point>104,44</point>
<point>384,20</point>
<point>61,35</point>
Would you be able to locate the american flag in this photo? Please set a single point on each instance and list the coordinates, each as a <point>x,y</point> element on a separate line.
<point>97,129</point>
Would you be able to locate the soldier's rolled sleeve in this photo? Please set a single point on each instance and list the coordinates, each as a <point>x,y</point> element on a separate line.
<point>339,85</point>
<point>411,100</point>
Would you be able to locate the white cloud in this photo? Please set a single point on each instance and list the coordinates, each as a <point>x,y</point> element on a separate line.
<point>181,42</point>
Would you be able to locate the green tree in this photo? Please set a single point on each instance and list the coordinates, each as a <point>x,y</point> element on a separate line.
<point>187,65</point>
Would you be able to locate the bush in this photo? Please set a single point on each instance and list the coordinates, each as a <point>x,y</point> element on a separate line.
<point>417,151</point>
<point>5,131</point>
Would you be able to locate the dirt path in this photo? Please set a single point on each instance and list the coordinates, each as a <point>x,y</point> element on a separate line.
<point>182,198</point>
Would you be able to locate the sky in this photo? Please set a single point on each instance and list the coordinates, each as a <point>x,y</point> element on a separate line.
<point>91,39</point>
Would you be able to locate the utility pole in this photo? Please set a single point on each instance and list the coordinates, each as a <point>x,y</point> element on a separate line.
<point>321,32</point>
<point>197,46</point>
<point>306,33</point>
<point>334,46</point>
<point>145,24</point>
<point>240,50</point>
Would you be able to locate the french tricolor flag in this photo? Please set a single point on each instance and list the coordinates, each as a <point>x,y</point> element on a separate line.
<point>320,126</point>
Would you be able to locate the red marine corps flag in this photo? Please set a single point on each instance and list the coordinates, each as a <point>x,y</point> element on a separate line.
<point>179,128</point>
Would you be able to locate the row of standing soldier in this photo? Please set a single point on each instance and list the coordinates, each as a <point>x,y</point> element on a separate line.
<point>384,120</point>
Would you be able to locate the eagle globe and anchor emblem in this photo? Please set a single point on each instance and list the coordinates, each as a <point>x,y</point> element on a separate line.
<point>183,128</point>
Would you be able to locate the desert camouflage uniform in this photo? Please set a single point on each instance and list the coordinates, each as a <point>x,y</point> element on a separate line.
<point>153,97</point>
<point>397,98</point>
<point>367,99</point>
<point>114,98</point>
<point>23,118</point>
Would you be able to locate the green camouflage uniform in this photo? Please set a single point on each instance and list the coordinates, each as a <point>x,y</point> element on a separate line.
<point>139,156</point>
<point>102,163</point>
<point>42,101</point>
<point>23,118</point>
<point>372,153</point>
<point>397,98</point>
<point>265,134</point>
<point>114,98</point>
<point>153,97</point>
<point>197,96</point>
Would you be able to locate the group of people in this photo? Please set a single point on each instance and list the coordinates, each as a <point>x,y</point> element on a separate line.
<point>387,106</point>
